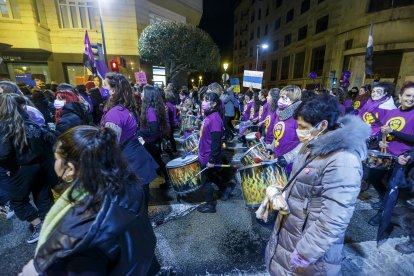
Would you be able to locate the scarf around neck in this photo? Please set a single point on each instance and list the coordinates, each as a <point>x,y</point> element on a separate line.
<point>288,111</point>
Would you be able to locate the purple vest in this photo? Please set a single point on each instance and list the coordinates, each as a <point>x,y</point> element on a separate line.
<point>247,111</point>
<point>212,123</point>
<point>284,133</point>
<point>370,109</point>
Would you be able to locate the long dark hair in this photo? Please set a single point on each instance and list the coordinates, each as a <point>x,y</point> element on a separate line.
<point>213,97</point>
<point>12,120</point>
<point>152,98</point>
<point>274,93</point>
<point>123,95</point>
<point>99,165</point>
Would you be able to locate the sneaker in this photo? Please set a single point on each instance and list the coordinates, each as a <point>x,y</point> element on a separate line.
<point>377,205</point>
<point>206,208</point>
<point>406,247</point>
<point>375,220</point>
<point>410,202</point>
<point>36,233</point>
<point>9,211</point>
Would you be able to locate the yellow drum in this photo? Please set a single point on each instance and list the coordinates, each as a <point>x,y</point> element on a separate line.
<point>181,172</point>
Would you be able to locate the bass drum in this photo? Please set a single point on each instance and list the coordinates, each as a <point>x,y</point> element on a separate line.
<point>190,144</point>
<point>181,172</point>
<point>256,152</point>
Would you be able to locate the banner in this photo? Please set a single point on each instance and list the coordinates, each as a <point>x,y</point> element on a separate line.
<point>140,77</point>
<point>369,55</point>
<point>253,79</point>
<point>236,84</point>
<point>87,53</point>
<point>25,78</point>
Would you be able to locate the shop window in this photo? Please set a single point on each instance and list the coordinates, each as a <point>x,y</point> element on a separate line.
<point>28,72</point>
<point>9,9</point>
<point>77,14</point>
<point>76,73</point>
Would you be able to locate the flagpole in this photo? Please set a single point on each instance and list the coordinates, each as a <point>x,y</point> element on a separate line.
<point>103,33</point>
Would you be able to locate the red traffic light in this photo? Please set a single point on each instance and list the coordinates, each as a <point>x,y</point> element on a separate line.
<point>114,66</point>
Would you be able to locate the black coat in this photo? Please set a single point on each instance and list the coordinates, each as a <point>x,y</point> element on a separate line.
<point>118,239</point>
<point>46,108</point>
<point>73,114</point>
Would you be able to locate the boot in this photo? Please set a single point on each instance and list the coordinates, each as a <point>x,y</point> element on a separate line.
<point>375,220</point>
<point>207,208</point>
<point>406,247</point>
<point>227,192</point>
<point>377,205</point>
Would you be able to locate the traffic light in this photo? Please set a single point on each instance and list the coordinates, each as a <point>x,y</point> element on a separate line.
<point>114,66</point>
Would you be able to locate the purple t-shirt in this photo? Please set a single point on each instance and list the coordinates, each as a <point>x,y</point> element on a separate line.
<point>268,124</point>
<point>370,109</point>
<point>172,110</point>
<point>348,103</point>
<point>121,117</point>
<point>212,123</point>
<point>263,112</point>
<point>402,121</point>
<point>151,118</point>
<point>284,133</point>
<point>247,110</point>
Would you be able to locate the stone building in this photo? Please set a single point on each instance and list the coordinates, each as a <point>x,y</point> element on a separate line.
<point>46,37</point>
<point>323,36</point>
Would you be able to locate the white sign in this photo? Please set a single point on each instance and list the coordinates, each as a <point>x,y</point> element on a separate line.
<point>253,79</point>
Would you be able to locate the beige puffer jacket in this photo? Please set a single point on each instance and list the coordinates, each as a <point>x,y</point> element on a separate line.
<point>321,201</point>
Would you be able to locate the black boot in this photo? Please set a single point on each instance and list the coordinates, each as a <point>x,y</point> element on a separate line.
<point>406,247</point>
<point>207,208</point>
<point>377,205</point>
<point>375,220</point>
<point>227,192</point>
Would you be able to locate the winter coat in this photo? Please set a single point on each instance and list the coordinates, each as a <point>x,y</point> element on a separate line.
<point>46,108</point>
<point>118,239</point>
<point>73,114</point>
<point>228,100</point>
<point>321,200</point>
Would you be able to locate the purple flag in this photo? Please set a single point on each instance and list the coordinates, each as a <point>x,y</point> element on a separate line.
<point>101,69</point>
<point>87,53</point>
<point>369,55</point>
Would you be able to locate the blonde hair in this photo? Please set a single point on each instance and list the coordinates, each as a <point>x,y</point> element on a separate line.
<point>293,92</point>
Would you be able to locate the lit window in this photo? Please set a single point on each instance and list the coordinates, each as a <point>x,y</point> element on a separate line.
<point>77,14</point>
<point>158,74</point>
<point>9,9</point>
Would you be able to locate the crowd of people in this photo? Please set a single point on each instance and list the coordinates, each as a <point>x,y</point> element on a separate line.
<point>87,154</point>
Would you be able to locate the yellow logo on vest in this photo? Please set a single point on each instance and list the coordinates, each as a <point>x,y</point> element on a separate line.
<point>357,104</point>
<point>368,118</point>
<point>267,122</point>
<point>396,123</point>
<point>278,131</point>
<point>252,112</point>
<point>260,111</point>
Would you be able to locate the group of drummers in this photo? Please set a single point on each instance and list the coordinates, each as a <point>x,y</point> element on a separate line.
<point>269,132</point>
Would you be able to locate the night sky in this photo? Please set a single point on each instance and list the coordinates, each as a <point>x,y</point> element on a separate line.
<point>217,20</point>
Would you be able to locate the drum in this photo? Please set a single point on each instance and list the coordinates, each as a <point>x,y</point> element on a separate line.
<point>243,124</point>
<point>251,139</point>
<point>181,172</point>
<point>256,178</point>
<point>188,122</point>
<point>257,151</point>
<point>379,160</point>
<point>190,144</point>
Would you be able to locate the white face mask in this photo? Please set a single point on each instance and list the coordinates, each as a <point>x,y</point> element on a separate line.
<point>305,135</point>
<point>58,104</point>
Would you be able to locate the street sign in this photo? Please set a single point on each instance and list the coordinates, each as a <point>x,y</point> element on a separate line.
<point>225,77</point>
<point>140,77</point>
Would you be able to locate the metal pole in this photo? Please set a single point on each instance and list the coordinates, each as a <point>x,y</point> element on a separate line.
<point>257,55</point>
<point>103,33</point>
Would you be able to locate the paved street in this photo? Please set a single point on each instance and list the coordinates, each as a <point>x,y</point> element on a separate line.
<point>231,242</point>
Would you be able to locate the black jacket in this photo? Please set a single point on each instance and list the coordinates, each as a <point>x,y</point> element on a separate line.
<point>73,114</point>
<point>46,108</point>
<point>118,239</point>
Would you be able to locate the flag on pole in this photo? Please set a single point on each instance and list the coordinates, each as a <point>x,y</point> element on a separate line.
<point>101,69</point>
<point>253,79</point>
<point>88,59</point>
<point>369,54</point>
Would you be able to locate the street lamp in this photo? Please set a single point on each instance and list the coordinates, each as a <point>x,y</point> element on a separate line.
<point>225,66</point>
<point>200,80</point>
<point>103,32</point>
<point>264,46</point>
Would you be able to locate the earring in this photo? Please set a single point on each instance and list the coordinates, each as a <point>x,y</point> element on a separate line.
<point>67,178</point>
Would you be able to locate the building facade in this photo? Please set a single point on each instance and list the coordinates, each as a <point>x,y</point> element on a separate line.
<point>46,37</point>
<point>323,36</point>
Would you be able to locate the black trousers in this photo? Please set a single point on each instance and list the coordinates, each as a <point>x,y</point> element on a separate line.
<point>4,186</point>
<point>377,178</point>
<point>228,127</point>
<point>36,179</point>
<point>172,140</point>
<point>154,150</point>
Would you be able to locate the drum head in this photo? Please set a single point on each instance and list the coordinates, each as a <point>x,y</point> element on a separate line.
<point>251,136</point>
<point>178,162</point>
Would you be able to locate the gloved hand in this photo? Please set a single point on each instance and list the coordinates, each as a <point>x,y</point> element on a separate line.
<point>281,161</point>
<point>297,261</point>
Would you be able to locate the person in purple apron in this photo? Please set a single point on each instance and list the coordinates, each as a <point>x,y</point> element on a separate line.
<point>248,112</point>
<point>264,106</point>
<point>122,117</point>
<point>210,153</point>
<point>398,126</point>
<point>361,99</point>
<point>269,121</point>
<point>286,142</point>
<point>172,115</point>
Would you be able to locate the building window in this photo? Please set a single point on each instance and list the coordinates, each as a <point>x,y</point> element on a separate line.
<point>289,15</point>
<point>320,1</point>
<point>302,32</point>
<point>9,9</point>
<point>284,72</point>
<point>251,51</point>
<point>305,6</point>
<point>375,5</point>
<point>298,67</point>
<point>258,32</point>
<point>273,70</point>
<point>322,24</point>
<point>318,59</point>
<point>288,40</point>
<point>275,45</point>
<point>241,69</point>
<point>250,66</point>
<point>265,31</point>
<point>240,44</point>
<point>348,44</point>
<point>251,35</point>
<point>26,72</point>
<point>252,17</point>
<point>259,14</point>
<point>264,65</point>
<point>279,3</point>
<point>235,46</point>
<point>155,18</point>
<point>158,75</point>
<point>267,10</point>
<point>277,24</point>
<point>76,73</point>
<point>77,14</point>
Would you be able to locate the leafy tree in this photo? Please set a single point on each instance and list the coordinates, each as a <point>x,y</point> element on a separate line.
<point>178,47</point>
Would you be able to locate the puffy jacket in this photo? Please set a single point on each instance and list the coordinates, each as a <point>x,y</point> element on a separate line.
<point>73,114</point>
<point>118,239</point>
<point>321,200</point>
<point>228,100</point>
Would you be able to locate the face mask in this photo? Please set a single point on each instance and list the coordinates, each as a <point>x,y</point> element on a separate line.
<point>58,104</point>
<point>283,102</point>
<point>305,135</point>
<point>205,105</point>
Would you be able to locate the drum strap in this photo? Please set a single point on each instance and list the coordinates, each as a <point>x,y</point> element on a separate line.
<point>376,120</point>
<point>298,172</point>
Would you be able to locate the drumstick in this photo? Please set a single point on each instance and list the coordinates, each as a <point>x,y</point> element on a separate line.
<point>188,153</point>
<point>384,140</point>
<point>257,160</point>
<point>258,136</point>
